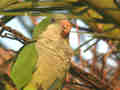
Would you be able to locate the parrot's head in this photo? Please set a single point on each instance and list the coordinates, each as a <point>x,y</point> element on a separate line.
<point>64,22</point>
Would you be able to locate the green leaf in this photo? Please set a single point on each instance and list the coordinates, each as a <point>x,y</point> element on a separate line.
<point>41,27</point>
<point>6,3</point>
<point>21,71</point>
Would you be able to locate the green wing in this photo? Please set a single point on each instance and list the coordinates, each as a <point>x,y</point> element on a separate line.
<point>21,71</point>
<point>41,27</point>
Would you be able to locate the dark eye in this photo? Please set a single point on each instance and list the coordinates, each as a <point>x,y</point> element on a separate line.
<point>117,2</point>
<point>52,20</point>
<point>63,26</point>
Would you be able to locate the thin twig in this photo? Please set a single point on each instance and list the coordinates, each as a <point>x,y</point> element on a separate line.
<point>103,76</point>
<point>94,68</point>
<point>18,36</point>
<point>88,78</point>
